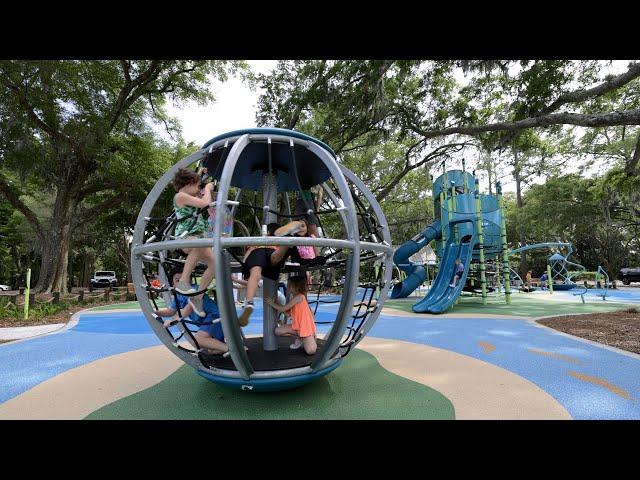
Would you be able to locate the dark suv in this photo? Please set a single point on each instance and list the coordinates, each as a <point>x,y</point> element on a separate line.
<point>628,275</point>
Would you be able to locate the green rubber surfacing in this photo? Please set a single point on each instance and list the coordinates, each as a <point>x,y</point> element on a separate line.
<point>520,306</point>
<point>360,389</point>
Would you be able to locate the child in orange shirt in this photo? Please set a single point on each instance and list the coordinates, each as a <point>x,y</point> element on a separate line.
<point>303,326</point>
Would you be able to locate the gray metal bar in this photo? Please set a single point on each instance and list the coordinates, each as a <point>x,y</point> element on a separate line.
<point>334,337</point>
<point>287,204</point>
<point>334,200</point>
<point>235,207</point>
<point>232,333</point>
<point>224,288</point>
<point>136,259</point>
<point>388,256</point>
<point>248,241</point>
<point>267,373</point>
<point>269,287</point>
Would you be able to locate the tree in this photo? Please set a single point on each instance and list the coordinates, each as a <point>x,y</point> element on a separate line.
<point>77,129</point>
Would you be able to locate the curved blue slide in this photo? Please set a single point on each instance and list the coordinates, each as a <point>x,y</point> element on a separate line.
<point>416,274</point>
<point>441,296</point>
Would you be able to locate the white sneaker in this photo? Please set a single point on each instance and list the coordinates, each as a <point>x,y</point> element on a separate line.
<point>296,345</point>
<point>185,288</point>
<point>228,353</point>
<point>452,285</point>
<point>243,319</point>
<point>197,304</point>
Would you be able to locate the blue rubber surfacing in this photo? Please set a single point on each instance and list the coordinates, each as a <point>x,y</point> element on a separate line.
<point>26,364</point>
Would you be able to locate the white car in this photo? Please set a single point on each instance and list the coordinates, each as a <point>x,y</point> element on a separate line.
<point>5,288</point>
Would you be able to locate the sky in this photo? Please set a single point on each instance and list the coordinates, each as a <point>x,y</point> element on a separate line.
<point>234,108</point>
<point>236,105</point>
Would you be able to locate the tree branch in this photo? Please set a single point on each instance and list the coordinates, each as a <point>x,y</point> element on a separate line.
<point>18,204</point>
<point>630,117</point>
<point>91,213</point>
<point>124,100</point>
<point>22,100</point>
<point>383,191</point>
<point>631,167</point>
<point>607,86</point>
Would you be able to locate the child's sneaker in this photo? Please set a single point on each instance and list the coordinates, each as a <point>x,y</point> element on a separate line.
<point>452,285</point>
<point>290,228</point>
<point>296,345</point>
<point>185,288</point>
<point>196,303</point>
<point>227,354</point>
<point>243,319</point>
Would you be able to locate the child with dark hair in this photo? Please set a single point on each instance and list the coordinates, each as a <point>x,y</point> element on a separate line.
<point>210,334</point>
<point>186,202</point>
<point>303,326</point>
<point>264,261</point>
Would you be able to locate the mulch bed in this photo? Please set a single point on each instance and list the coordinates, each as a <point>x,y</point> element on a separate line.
<point>61,317</point>
<point>617,329</point>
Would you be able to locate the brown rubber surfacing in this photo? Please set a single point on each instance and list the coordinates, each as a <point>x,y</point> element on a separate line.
<point>281,359</point>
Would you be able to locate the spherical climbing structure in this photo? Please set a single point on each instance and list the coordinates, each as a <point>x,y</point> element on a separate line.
<point>258,172</point>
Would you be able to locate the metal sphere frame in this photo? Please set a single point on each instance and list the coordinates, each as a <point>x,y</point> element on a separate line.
<point>329,355</point>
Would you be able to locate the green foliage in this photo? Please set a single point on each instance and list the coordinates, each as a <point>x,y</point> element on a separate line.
<point>36,312</point>
<point>78,149</point>
<point>592,214</point>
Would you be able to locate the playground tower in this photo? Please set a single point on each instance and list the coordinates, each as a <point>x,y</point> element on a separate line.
<point>470,226</point>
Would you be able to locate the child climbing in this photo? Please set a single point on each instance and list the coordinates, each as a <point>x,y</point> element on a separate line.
<point>209,335</point>
<point>264,261</point>
<point>186,202</point>
<point>303,326</point>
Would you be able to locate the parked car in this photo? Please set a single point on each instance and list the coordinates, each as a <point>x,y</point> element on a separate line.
<point>628,275</point>
<point>5,288</point>
<point>103,279</point>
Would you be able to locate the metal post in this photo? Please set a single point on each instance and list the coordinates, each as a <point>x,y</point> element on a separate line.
<point>26,295</point>
<point>444,209</point>
<point>483,277</point>
<point>443,222</point>
<point>453,210</point>
<point>549,279</point>
<point>269,287</point>
<point>505,253</point>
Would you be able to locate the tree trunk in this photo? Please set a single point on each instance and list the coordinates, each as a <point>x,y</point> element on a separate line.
<point>89,261</point>
<point>55,247</point>
<point>524,266</point>
<point>126,255</point>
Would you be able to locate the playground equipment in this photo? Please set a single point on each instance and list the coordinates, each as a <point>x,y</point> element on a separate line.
<point>470,226</point>
<point>261,167</point>
<point>560,276</point>
<point>601,272</point>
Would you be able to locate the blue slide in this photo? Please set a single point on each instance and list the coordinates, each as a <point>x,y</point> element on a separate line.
<point>416,274</point>
<point>441,296</point>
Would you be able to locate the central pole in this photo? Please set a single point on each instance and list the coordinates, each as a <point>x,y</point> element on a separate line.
<point>269,287</point>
